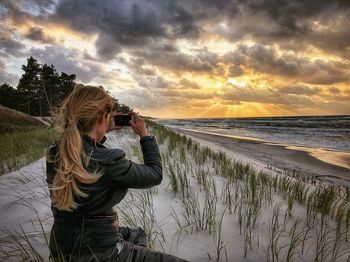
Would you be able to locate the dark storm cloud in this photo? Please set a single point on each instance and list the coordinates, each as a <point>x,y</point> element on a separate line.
<point>37,34</point>
<point>68,61</point>
<point>107,47</point>
<point>266,59</point>
<point>167,56</point>
<point>288,14</point>
<point>125,22</point>
<point>292,24</point>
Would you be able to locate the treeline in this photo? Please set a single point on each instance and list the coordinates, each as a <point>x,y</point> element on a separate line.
<point>40,89</point>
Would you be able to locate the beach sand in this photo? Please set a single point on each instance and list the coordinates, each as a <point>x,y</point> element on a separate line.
<point>326,165</point>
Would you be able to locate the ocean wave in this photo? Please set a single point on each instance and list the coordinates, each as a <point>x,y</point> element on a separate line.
<point>331,132</point>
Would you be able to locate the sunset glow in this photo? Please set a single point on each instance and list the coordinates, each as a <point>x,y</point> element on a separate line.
<point>190,59</point>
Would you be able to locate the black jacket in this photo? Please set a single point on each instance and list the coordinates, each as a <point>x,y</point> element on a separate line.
<point>94,223</point>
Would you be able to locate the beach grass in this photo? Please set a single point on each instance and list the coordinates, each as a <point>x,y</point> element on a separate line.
<point>20,148</point>
<point>248,191</point>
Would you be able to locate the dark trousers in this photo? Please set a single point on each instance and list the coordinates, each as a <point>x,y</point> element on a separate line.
<point>133,249</point>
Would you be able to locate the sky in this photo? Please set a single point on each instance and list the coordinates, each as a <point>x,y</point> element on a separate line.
<point>190,58</point>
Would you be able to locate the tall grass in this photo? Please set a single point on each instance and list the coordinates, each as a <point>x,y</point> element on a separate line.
<point>22,147</point>
<point>248,191</point>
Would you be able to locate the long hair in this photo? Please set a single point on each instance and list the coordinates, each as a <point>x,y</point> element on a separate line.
<point>78,114</point>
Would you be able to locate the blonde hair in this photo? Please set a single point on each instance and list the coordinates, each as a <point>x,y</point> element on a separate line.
<point>78,114</point>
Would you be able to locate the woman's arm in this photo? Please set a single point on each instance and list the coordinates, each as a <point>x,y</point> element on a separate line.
<point>123,172</point>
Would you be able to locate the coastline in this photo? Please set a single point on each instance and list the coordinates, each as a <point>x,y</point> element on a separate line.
<point>313,163</point>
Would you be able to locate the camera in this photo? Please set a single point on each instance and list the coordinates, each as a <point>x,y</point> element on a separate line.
<point>122,120</point>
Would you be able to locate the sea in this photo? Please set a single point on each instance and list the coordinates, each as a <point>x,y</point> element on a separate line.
<point>327,132</point>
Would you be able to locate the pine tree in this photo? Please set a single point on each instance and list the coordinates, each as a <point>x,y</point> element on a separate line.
<point>8,96</point>
<point>50,81</point>
<point>28,88</point>
<point>41,89</point>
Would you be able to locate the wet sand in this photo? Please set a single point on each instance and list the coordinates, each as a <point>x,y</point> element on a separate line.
<point>326,165</point>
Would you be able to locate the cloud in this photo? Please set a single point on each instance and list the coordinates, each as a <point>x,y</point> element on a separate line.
<point>153,82</point>
<point>267,60</point>
<point>6,77</point>
<point>296,24</point>
<point>236,70</point>
<point>326,72</point>
<point>300,90</point>
<point>126,23</point>
<point>187,84</point>
<point>185,94</point>
<point>236,95</point>
<point>10,46</point>
<point>13,10</point>
<point>107,47</point>
<point>68,61</point>
<point>333,90</point>
<point>155,49</point>
<point>145,99</point>
<point>163,101</point>
<point>173,59</point>
<point>37,34</point>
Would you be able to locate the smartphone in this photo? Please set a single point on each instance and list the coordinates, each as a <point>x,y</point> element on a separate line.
<point>122,120</point>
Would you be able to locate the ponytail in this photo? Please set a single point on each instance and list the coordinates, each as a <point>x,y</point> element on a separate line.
<point>76,119</point>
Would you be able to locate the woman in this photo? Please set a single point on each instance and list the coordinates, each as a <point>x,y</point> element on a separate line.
<point>87,179</point>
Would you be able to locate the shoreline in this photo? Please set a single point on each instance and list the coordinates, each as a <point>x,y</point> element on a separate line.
<point>325,165</point>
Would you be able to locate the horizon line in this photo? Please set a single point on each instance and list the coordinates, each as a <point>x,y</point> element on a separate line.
<point>291,116</point>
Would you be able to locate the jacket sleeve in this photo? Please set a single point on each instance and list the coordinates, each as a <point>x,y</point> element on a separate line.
<point>122,171</point>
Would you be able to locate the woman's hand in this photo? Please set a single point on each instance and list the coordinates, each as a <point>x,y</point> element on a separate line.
<point>138,124</point>
<point>111,126</point>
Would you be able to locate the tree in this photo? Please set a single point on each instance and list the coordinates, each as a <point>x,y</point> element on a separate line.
<point>28,88</point>
<point>66,85</point>
<point>40,89</point>
<point>8,96</point>
<point>49,79</point>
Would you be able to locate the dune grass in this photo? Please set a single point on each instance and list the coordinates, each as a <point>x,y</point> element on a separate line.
<point>22,147</point>
<point>249,191</point>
